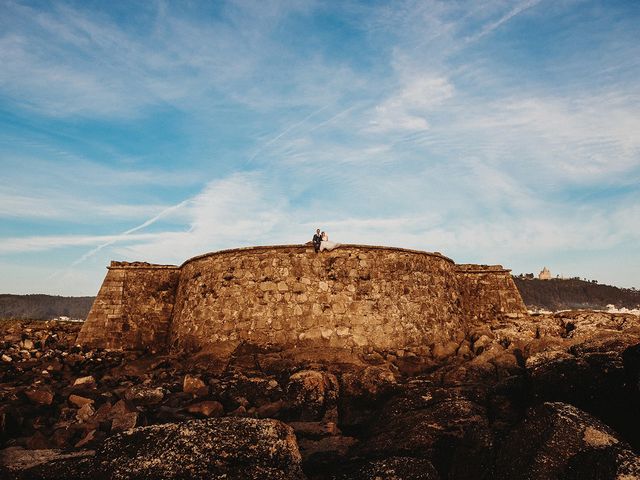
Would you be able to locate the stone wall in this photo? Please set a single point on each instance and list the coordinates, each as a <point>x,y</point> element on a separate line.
<point>133,307</point>
<point>353,297</point>
<point>488,292</point>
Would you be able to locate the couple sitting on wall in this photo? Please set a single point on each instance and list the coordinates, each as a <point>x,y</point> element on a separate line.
<point>321,242</point>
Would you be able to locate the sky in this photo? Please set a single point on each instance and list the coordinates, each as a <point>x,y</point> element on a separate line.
<point>495,132</point>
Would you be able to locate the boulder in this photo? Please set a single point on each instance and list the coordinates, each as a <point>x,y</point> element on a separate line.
<point>79,401</point>
<point>392,468</point>
<point>40,396</point>
<point>443,426</point>
<point>224,448</point>
<point>369,382</point>
<point>559,441</point>
<point>85,382</point>
<point>121,417</point>
<point>21,463</point>
<point>599,375</point>
<point>144,395</point>
<point>230,448</point>
<point>207,408</point>
<point>312,394</point>
<point>194,386</point>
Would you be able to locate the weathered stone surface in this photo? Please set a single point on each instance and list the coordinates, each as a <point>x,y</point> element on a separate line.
<point>194,386</point>
<point>230,448</point>
<point>352,297</point>
<point>85,412</point>
<point>392,468</point>
<point>313,395</point>
<point>85,382</point>
<point>440,425</point>
<point>453,412</point>
<point>208,408</point>
<point>133,307</point>
<point>79,401</point>
<point>144,395</point>
<point>40,396</point>
<point>17,459</point>
<point>124,421</point>
<point>370,382</point>
<point>559,441</point>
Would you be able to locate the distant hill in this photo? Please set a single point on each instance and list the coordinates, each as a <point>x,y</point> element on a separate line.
<point>557,294</point>
<point>43,307</point>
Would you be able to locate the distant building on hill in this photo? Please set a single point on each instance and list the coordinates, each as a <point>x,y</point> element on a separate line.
<point>545,274</point>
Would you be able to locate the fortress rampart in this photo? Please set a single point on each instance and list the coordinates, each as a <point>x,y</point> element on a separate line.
<point>352,297</point>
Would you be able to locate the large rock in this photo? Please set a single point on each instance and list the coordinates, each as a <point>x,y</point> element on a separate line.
<point>229,448</point>
<point>361,393</point>
<point>144,395</point>
<point>40,396</point>
<point>20,463</point>
<point>226,448</point>
<point>393,468</point>
<point>313,395</point>
<point>559,441</point>
<point>599,375</point>
<point>195,386</point>
<point>444,426</point>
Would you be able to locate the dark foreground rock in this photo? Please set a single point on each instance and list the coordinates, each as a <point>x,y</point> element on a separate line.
<point>546,396</point>
<point>559,441</point>
<point>225,448</point>
<point>392,468</point>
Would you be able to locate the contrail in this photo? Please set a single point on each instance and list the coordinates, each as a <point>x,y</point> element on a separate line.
<point>151,221</point>
<point>172,208</point>
<point>518,9</point>
<point>287,130</point>
<point>123,235</point>
<point>337,115</point>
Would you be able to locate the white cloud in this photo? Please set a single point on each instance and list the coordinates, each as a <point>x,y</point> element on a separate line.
<point>72,62</point>
<point>57,205</point>
<point>236,211</point>
<point>11,245</point>
<point>408,109</point>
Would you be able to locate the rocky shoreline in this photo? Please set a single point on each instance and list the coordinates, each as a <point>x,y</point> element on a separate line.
<point>549,396</point>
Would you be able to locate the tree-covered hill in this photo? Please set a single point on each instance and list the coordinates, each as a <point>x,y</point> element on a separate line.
<point>559,294</point>
<point>43,307</point>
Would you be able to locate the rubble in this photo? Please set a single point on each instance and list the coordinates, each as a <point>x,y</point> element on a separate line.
<point>429,412</point>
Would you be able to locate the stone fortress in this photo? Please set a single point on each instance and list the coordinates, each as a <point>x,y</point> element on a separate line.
<point>354,297</point>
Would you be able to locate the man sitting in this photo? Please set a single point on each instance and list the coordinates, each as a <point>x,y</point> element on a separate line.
<point>317,240</point>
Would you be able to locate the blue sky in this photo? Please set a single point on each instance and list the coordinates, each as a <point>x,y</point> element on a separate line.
<point>491,131</point>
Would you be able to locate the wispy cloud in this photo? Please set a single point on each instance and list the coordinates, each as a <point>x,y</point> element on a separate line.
<point>490,27</point>
<point>183,128</point>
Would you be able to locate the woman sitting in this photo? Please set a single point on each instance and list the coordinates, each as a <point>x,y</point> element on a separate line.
<point>325,244</point>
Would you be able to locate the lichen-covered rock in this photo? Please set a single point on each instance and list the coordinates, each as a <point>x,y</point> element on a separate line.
<point>370,382</point>
<point>229,448</point>
<point>40,396</point>
<point>392,468</point>
<point>312,395</point>
<point>144,395</point>
<point>441,425</point>
<point>226,448</point>
<point>19,463</point>
<point>207,408</point>
<point>559,441</point>
<point>195,386</point>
